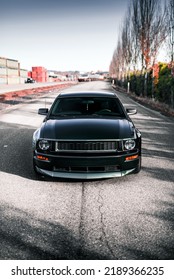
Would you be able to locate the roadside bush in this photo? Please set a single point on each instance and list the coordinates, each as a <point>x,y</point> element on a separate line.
<point>165,84</point>
<point>158,87</point>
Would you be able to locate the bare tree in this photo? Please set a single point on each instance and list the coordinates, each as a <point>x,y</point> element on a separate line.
<point>171,24</point>
<point>126,42</point>
<point>117,63</point>
<point>135,36</point>
<point>150,29</point>
<point>144,30</point>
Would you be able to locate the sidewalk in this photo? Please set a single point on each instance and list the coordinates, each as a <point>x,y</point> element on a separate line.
<point>18,87</point>
<point>15,92</point>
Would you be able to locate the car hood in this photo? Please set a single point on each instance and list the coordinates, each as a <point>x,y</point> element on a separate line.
<point>83,129</point>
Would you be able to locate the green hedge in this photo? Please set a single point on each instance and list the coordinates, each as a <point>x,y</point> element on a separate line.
<point>159,88</point>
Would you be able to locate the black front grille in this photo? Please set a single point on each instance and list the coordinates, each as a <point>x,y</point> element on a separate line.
<point>93,146</point>
<point>87,169</point>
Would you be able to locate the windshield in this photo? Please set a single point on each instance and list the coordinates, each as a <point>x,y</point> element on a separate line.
<point>86,106</point>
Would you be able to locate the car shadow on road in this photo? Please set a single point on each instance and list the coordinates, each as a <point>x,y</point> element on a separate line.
<point>24,236</point>
<point>157,146</point>
<point>17,152</point>
<point>165,217</point>
<point>159,173</point>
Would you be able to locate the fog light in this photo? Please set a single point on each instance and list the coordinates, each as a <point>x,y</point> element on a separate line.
<point>131,158</point>
<point>42,158</point>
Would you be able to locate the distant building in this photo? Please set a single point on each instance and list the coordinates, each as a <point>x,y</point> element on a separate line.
<point>10,72</point>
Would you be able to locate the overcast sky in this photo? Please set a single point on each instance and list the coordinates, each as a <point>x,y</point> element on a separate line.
<point>61,35</point>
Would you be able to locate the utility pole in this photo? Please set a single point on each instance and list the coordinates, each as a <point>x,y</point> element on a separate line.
<point>172,48</point>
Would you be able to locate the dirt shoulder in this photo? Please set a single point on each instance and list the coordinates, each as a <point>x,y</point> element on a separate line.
<point>151,104</point>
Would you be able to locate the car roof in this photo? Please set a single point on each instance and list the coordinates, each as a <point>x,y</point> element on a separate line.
<point>88,94</point>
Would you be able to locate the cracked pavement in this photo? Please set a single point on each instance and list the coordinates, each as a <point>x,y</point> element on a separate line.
<point>120,218</point>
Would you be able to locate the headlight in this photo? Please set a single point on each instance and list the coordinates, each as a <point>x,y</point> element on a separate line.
<point>129,144</point>
<point>44,145</point>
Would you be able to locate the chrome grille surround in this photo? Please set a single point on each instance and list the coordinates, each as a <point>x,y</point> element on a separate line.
<point>86,146</point>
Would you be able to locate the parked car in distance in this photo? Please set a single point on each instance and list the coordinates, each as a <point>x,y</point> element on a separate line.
<point>29,80</point>
<point>83,78</point>
<point>87,135</point>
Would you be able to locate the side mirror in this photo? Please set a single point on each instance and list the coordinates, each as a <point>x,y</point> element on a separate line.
<point>43,111</point>
<point>131,111</point>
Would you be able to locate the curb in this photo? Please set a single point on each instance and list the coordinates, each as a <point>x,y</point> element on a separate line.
<point>12,95</point>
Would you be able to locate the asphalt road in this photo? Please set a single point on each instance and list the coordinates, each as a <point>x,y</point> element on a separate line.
<point>122,218</point>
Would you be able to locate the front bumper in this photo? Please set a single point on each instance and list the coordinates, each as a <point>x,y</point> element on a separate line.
<point>86,167</point>
<point>84,175</point>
